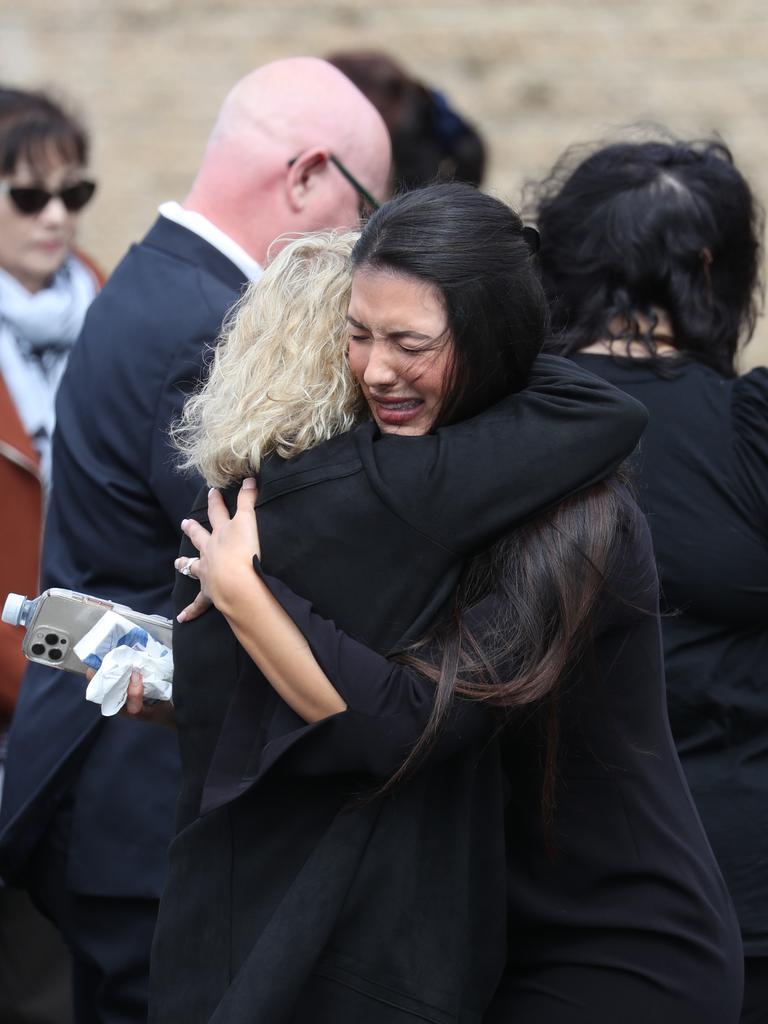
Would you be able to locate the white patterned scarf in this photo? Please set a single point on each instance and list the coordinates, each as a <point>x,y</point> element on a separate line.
<point>37,332</point>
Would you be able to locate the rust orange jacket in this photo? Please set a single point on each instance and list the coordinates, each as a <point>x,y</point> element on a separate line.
<point>21,523</point>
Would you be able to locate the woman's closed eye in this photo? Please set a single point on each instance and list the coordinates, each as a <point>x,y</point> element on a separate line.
<point>413,350</point>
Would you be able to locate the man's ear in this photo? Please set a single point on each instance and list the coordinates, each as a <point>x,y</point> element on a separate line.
<point>303,176</point>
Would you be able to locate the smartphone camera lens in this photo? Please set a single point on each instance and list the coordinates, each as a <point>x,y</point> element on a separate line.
<point>54,654</point>
<point>51,638</point>
<point>38,649</point>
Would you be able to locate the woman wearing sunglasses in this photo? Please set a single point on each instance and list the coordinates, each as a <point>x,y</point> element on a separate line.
<point>45,290</point>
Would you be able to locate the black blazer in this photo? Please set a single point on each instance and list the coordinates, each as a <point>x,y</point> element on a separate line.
<point>113,530</point>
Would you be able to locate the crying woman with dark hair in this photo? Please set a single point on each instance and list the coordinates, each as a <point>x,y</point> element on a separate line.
<point>427,768</point>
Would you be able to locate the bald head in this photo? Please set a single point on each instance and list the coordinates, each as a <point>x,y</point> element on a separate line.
<point>297,111</point>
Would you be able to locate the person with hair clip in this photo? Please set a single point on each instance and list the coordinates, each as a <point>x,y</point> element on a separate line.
<point>491,822</point>
<point>651,255</point>
<point>46,286</point>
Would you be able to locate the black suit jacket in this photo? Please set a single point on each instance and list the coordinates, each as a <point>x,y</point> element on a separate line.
<point>113,530</point>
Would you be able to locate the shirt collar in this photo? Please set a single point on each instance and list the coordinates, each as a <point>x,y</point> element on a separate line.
<point>208,231</point>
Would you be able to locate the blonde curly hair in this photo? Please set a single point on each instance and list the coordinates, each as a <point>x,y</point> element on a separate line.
<point>278,380</point>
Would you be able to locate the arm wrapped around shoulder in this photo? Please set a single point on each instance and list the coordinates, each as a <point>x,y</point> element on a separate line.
<point>469,483</point>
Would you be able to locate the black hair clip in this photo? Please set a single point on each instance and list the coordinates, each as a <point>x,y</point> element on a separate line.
<point>532,239</point>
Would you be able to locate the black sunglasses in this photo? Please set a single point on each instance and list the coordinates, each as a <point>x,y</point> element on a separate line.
<point>361,190</point>
<point>31,199</point>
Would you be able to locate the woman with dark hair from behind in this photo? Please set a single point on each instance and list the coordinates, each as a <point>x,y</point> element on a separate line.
<point>491,823</point>
<point>651,259</point>
<point>45,290</point>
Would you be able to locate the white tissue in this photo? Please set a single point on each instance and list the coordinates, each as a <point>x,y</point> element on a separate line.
<point>115,646</point>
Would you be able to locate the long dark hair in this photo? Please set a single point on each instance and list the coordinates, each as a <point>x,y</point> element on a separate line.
<point>636,227</point>
<point>543,581</point>
<point>33,126</point>
<point>545,577</point>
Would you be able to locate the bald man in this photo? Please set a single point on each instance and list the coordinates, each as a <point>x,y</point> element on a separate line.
<point>88,808</point>
<point>269,167</point>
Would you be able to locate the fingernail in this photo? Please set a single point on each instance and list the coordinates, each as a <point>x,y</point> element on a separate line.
<point>181,617</point>
<point>184,523</point>
<point>211,491</point>
<point>249,483</point>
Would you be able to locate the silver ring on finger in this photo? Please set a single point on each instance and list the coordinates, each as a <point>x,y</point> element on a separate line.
<point>187,570</point>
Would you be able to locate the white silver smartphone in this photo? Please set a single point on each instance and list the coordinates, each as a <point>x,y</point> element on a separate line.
<point>57,619</point>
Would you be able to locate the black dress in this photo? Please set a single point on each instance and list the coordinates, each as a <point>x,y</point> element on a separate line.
<point>703,481</point>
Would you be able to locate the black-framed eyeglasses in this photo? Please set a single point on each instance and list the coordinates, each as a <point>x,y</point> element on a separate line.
<point>361,190</point>
<point>31,199</point>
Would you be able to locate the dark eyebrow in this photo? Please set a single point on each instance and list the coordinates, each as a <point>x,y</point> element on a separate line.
<point>392,334</point>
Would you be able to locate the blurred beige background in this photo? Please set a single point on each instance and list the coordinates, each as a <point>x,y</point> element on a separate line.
<point>533,75</point>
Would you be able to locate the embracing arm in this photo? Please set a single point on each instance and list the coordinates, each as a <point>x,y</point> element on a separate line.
<point>365,711</point>
<point>469,483</point>
<point>279,648</point>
